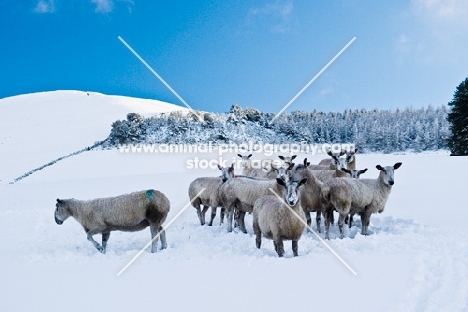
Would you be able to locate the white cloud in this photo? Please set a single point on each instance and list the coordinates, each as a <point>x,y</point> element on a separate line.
<point>103,6</point>
<point>45,6</point>
<point>327,90</point>
<point>275,16</point>
<point>434,31</point>
<point>446,11</point>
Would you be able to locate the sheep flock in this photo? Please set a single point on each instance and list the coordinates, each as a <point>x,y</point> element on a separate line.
<point>280,196</point>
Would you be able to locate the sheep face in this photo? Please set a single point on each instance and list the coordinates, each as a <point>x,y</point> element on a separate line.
<point>339,162</point>
<point>245,160</point>
<point>291,193</point>
<point>287,159</point>
<point>226,173</point>
<point>298,171</point>
<point>387,173</point>
<point>355,174</point>
<point>281,173</point>
<point>62,212</point>
<point>350,156</point>
<point>329,152</point>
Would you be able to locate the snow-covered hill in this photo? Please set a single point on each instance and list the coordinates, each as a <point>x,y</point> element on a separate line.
<point>37,128</point>
<point>415,258</point>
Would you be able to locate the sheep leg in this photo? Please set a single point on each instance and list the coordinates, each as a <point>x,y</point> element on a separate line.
<point>105,238</point>
<point>309,220</point>
<point>318,220</point>
<point>241,222</point>
<point>230,214</point>
<point>351,215</point>
<point>156,233</point>
<point>280,247</point>
<point>258,234</point>
<point>326,215</point>
<point>213,215</point>
<point>199,214</point>
<point>223,211</point>
<point>236,218</point>
<point>203,213</point>
<point>340,224</point>
<point>365,220</point>
<point>294,248</point>
<point>89,235</point>
<point>163,237</point>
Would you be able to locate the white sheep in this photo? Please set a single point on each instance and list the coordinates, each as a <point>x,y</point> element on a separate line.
<point>349,159</point>
<point>246,164</point>
<point>310,195</point>
<point>274,219</point>
<point>240,193</point>
<point>275,171</point>
<point>210,196</point>
<point>130,212</point>
<point>287,159</point>
<point>327,162</point>
<point>355,173</point>
<point>363,196</point>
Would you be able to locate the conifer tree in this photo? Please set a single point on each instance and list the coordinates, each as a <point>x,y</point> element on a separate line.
<point>458,117</point>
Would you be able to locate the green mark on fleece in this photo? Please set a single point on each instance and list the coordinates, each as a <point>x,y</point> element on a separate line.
<point>150,194</point>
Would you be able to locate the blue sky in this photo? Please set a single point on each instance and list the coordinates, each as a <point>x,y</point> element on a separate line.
<point>253,53</point>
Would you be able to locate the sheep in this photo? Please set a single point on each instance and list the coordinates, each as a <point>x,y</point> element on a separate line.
<point>355,174</point>
<point>276,171</point>
<point>130,212</point>
<point>350,159</point>
<point>318,167</point>
<point>246,164</point>
<point>328,161</point>
<point>310,195</point>
<point>363,196</point>
<point>240,193</point>
<point>209,197</point>
<point>276,221</point>
<point>287,159</point>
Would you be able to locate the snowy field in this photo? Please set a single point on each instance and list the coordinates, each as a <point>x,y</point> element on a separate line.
<point>415,258</point>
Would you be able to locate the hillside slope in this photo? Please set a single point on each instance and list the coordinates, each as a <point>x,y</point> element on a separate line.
<point>48,125</point>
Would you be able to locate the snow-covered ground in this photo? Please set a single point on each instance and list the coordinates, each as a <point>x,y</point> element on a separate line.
<point>415,258</point>
<point>40,127</point>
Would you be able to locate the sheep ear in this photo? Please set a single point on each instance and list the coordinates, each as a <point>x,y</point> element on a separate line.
<point>305,162</point>
<point>280,182</point>
<point>59,201</point>
<point>308,163</point>
<point>396,166</point>
<point>342,152</point>
<point>346,170</point>
<point>362,171</point>
<point>379,167</point>
<point>329,153</point>
<point>232,166</point>
<point>250,155</point>
<point>239,155</point>
<point>355,150</point>
<point>303,181</point>
<point>294,156</point>
<point>219,167</point>
<point>281,157</point>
